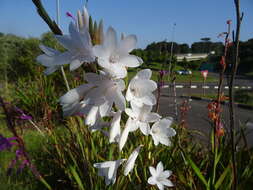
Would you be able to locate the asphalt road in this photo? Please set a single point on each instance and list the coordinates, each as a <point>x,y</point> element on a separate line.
<point>197,116</point>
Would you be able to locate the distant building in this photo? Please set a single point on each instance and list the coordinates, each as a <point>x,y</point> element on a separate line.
<point>191,56</point>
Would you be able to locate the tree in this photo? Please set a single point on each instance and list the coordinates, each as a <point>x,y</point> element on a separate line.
<point>206,39</point>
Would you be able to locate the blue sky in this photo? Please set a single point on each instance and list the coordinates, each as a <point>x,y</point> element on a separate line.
<point>150,20</point>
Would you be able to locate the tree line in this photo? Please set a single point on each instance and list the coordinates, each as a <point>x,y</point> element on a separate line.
<point>18,54</point>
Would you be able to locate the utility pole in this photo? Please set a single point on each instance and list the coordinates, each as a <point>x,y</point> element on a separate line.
<point>169,73</point>
<point>58,12</point>
<point>171,47</point>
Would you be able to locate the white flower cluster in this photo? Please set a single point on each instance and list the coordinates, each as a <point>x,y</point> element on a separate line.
<point>103,94</point>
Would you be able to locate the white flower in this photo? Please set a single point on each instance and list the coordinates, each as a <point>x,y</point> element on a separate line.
<point>159,177</point>
<point>114,134</point>
<point>108,170</point>
<point>71,102</point>
<point>140,89</point>
<point>131,160</point>
<point>48,58</point>
<point>114,57</point>
<point>79,50</point>
<point>142,116</point>
<point>107,91</point>
<point>94,99</point>
<point>161,132</point>
<point>123,138</point>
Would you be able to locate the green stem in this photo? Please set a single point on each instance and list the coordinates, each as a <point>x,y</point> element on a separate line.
<point>65,78</point>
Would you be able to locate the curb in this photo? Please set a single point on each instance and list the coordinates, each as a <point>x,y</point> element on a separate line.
<point>244,106</point>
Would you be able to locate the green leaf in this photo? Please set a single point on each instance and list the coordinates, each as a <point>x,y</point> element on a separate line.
<point>222,177</point>
<point>77,178</point>
<point>197,171</point>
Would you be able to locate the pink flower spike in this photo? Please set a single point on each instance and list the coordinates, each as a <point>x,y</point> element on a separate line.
<point>70,15</point>
<point>25,117</point>
<point>229,21</point>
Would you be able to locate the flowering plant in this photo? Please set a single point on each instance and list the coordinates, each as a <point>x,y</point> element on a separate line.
<point>105,93</point>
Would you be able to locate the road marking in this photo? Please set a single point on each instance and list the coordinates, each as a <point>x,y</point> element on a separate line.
<point>165,86</point>
<point>206,87</point>
<point>249,125</point>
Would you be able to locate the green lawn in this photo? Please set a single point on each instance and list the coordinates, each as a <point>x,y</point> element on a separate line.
<point>241,96</point>
<point>195,77</point>
<point>155,67</point>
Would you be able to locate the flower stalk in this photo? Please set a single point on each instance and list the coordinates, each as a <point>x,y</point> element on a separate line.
<point>239,18</point>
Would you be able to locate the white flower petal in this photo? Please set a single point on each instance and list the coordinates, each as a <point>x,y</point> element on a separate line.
<point>94,78</point>
<point>150,99</point>
<point>115,128</point>
<point>124,135</point>
<point>136,109</point>
<point>159,168</point>
<point>129,95</point>
<point>144,74</point>
<point>165,123</point>
<point>85,17</point>
<point>121,85</point>
<point>152,180</point>
<point>74,64</point>
<point>76,36</point>
<point>62,59</point>
<point>51,70</point>
<point>71,109</point>
<point>92,116</point>
<point>45,60</point>
<point>127,44</point>
<point>48,51</point>
<point>152,170</point>
<point>119,100</point>
<point>105,108</point>
<point>112,170</point>
<point>130,113</point>
<point>75,94</point>
<point>101,51</point>
<point>66,41</point>
<point>131,160</point>
<point>166,173</point>
<point>165,140</point>
<point>130,61</point>
<point>152,117</point>
<point>110,41</point>
<point>146,109</point>
<point>133,126</point>
<point>167,182</point>
<point>160,186</point>
<point>144,127</point>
